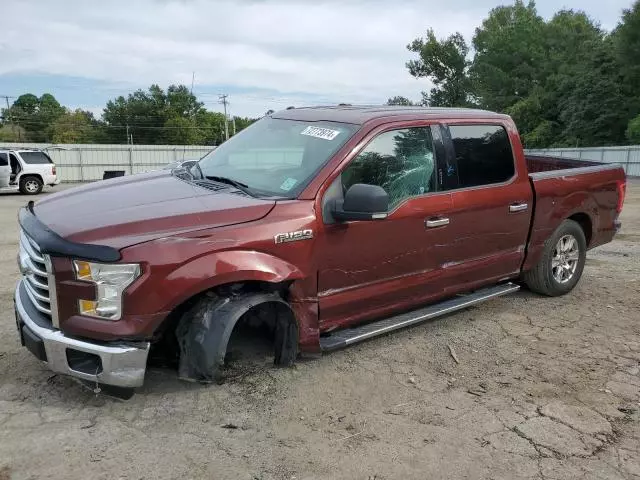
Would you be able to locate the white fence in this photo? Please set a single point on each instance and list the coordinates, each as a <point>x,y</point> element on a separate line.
<point>628,157</point>
<point>81,163</point>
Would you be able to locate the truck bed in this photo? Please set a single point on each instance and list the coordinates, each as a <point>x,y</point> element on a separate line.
<point>544,163</point>
<point>584,191</point>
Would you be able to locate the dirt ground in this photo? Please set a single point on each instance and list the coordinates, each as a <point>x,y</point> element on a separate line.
<point>545,388</point>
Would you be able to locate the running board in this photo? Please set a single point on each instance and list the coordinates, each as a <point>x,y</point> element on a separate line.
<point>343,338</point>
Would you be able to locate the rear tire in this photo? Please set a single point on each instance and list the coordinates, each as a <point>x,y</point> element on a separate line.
<point>562,261</point>
<point>30,185</point>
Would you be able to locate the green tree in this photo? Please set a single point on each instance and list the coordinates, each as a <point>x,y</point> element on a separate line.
<point>153,116</point>
<point>399,100</point>
<point>565,81</point>
<point>211,127</point>
<point>140,114</point>
<point>595,111</point>
<point>633,131</point>
<point>35,115</point>
<point>627,45</point>
<point>76,126</point>
<point>12,133</point>
<point>181,131</point>
<point>509,50</point>
<point>444,63</point>
<point>557,79</point>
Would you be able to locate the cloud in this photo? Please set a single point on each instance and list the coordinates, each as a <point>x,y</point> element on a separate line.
<point>298,50</point>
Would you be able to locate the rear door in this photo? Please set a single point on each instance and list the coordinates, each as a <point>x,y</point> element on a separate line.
<point>5,170</point>
<point>491,206</point>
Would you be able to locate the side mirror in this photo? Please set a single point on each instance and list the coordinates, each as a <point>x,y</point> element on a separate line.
<point>362,202</point>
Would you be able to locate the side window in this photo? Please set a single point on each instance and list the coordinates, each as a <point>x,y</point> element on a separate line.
<point>400,161</point>
<point>4,159</point>
<point>483,154</point>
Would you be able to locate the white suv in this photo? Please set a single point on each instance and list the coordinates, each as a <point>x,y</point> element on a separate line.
<point>26,171</point>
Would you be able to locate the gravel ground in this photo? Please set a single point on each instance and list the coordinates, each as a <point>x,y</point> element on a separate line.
<point>545,388</point>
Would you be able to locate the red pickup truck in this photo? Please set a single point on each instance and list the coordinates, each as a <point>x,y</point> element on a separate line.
<point>328,225</point>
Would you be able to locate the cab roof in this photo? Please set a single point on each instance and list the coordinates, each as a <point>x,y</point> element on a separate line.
<point>359,115</point>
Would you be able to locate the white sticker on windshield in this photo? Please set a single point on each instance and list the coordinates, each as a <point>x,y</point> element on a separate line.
<point>324,133</point>
<point>288,184</point>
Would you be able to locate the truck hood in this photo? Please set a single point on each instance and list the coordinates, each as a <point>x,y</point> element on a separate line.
<point>138,208</point>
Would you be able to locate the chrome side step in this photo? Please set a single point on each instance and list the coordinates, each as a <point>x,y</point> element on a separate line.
<point>343,338</point>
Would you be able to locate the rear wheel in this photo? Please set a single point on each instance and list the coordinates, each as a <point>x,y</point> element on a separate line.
<point>562,261</point>
<point>30,185</point>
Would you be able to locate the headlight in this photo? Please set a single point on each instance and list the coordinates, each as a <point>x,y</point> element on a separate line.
<point>110,281</point>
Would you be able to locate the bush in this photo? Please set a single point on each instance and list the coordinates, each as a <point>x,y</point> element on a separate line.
<point>633,130</point>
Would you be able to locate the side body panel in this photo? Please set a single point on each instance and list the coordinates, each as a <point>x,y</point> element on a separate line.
<point>560,195</point>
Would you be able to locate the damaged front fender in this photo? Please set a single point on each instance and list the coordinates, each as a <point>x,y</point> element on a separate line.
<point>204,332</point>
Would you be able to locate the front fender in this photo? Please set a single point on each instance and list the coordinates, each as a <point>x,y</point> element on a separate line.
<point>212,270</point>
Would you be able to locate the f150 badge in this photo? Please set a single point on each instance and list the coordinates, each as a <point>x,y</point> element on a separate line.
<point>294,236</point>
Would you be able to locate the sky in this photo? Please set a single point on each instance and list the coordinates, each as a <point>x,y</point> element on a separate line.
<point>265,54</point>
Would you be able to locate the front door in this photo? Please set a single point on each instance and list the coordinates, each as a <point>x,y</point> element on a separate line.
<point>491,207</point>
<point>368,269</point>
<point>5,170</point>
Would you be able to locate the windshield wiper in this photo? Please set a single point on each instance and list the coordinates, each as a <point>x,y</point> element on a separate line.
<point>230,181</point>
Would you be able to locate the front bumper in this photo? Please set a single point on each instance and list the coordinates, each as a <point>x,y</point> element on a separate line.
<point>106,363</point>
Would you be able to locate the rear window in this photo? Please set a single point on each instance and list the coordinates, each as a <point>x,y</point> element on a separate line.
<point>483,154</point>
<point>35,158</point>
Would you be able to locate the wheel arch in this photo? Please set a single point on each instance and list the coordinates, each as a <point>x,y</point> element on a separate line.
<point>584,215</point>
<point>204,330</point>
<point>30,174</point>
<point>585,222</point>
<point>218,269</point>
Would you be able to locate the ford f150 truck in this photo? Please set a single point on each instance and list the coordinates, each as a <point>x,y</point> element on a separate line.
<point>329,225</point>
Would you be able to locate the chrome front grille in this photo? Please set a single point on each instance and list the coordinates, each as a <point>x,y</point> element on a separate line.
<point>38,278</point>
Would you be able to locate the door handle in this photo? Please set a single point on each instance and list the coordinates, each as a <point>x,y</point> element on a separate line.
<point>437,222</point>
<point>518,207</point>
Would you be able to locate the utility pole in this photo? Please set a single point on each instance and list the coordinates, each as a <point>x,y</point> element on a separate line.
<point>127,134</point>
<point>193,79</point>
<point>13,127</point>
<point>233,119</point>
<point>223,100</point>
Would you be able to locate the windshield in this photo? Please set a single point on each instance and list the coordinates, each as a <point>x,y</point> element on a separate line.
<point>35,158</point>
<point>276,157</point>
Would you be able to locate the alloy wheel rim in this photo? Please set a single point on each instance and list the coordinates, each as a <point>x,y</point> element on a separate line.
<point>565,259</point>
<point>31,186</point>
